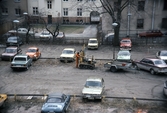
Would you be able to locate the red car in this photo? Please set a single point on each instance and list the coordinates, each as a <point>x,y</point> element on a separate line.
<point>126,44</point>
<point>151,33</point>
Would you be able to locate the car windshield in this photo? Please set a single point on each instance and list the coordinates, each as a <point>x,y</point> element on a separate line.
<point>60,33</point>
<point>123,53</point>
<point>159,62</point>
<point>31,50</point>
<point>20,59</point>
<point>92,41</point>
<point>54,100</point>
<point>68,52</point>
<point>93,84</point>
<point>10,51</point>
<point>45,33</point>
<point>12,39</point>
<point>125,41</point>
<point>163,53</point>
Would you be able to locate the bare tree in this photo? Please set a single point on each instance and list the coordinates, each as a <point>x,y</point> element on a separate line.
<point>115,10</point>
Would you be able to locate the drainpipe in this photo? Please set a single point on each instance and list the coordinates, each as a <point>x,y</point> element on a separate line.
<point>129,14</point>
<point>153,16</point>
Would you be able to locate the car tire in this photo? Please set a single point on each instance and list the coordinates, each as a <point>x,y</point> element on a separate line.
<point>84,100</point>
<point>27,67</point>
<point>152,71</point>
<point>135,66</point>
<point>113,69</point>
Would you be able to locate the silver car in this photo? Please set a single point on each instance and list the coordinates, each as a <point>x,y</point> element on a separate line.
<point>153,65</point>
<point>93,89</point>
<point>162,55</point>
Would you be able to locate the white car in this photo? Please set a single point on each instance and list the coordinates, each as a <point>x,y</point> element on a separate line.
<point>162,55</point>
<point>45,35</point>
<point>21,31</point>
<point>124,55</point>
<point>68,54</point>
<point>93,43</point>
<point>93,89</point>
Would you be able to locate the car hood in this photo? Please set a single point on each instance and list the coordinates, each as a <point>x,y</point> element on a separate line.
<point>8,54</point>
<point>92,90</point>
<point>12,41</point>
<point>30,54</point>
<point>163,57</point>
<point>67,55</point>
<point>53,106</point>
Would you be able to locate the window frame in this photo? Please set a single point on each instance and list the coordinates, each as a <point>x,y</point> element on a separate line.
<point>49,4</point>
<point>17,11</point>
<point>140,23</point>
<point>141,6</point>
<point>79,11</point>
<point>35,11</point>
<point>65,11</point>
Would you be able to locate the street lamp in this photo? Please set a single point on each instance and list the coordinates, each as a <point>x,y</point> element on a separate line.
<point>114,26</point>
<point>16,22</point>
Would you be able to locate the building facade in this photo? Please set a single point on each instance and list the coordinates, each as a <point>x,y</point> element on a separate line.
<point>140,16</point>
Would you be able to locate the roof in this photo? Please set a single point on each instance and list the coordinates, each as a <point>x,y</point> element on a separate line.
<point>33,48</point>
<point>21,55</point>
<point>69,49</point>
<point>12,47</point>
<point>94,79</point>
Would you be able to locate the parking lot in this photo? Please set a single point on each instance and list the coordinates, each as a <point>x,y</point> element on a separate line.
<point>48,75</point>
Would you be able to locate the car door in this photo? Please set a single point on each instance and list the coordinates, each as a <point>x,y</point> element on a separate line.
<point>142,64</point>
<point>66,101</point>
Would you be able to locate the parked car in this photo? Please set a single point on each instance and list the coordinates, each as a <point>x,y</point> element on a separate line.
<point>21,31</point>
<point>34,53</point>
<point>45,35</point>
<point>56,103</point>
<point>68,54</point>
<point>126,44</point>
<point>21,62</point>
<point>108,39</point>
<point>124,55</point>
<point>14,41</point>
<point>10,53</point>
<point>153,65</point>
<point>61,35</point>
<point>162,55</point>
<point>165,88</point>
<point>93,88</point>
<point>151,33</point>
<point>93,43</point>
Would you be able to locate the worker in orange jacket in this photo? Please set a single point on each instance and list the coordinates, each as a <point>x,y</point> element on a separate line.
<point>77,59</point>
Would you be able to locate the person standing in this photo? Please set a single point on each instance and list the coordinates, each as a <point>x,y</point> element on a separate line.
<point>77,59</point>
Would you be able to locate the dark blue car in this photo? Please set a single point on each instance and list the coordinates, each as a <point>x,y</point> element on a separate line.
<point>56,103</point>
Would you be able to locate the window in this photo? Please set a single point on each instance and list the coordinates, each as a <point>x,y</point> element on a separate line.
<point>141,5</point>
<point>91,0</point>
<point>164,23</point>
<point>49,3</point>
<point>140,23</point>
<point>79,11</point>
<point>65,0</point>
<point>17,11</point>
<point>65,10</point>
<point>165,5</point>
<point>79,0</point>
<point>115,6</point>
<point>4,11</point>
<point>16,0</point>
<point>35,10</point>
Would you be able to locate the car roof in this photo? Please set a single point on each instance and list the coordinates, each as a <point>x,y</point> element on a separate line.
<point>69,49</point>
<point>12,47</point>
<point>153,59</point>
<point>94,79</point>
<point>93,39</point>
<point>126,39</point>
<point>13,37</point>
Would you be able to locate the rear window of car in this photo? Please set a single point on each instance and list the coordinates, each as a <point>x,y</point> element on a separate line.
<point>10,50</point>
<point>125,41</point>
<point>20,59</point>
<point>158,62</point>
<point>54,100</point>
<point>93,84</point>
<point>92,41</point>
<point>68,52</point>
